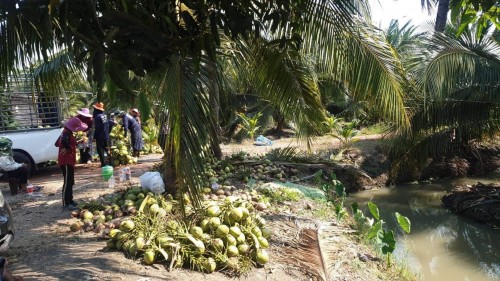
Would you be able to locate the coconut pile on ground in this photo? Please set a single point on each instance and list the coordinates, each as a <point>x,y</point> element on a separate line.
<point>243,167</point>
<point>228,235</point>
<point>120,148</point>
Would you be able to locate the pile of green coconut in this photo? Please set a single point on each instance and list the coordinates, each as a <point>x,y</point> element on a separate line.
<point>120,148</point>
<point>226,235</point>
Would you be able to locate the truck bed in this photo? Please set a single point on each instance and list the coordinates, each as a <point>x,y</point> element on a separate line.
<point>37,143</point>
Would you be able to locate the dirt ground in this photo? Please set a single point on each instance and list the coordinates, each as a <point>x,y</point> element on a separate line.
<point>45,249</point>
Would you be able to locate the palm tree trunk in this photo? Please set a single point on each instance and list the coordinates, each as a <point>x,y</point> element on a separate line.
<point>280,124</point>
<point>442,15</point>
<point>215,104</point>
<point>170,176</point>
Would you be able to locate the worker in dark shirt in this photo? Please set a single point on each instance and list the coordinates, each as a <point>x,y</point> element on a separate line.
<point>101,132</point>
<point>130,124</point>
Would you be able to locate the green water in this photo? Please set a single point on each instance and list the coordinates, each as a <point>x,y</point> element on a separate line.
<point>442,246</point>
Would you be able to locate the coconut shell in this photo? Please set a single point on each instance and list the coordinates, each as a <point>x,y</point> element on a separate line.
<point>260,206</point>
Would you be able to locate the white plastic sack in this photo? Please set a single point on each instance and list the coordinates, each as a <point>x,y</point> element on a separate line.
<point>152,181</point>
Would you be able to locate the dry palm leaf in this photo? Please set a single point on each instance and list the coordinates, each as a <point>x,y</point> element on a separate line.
<point>311,253</point>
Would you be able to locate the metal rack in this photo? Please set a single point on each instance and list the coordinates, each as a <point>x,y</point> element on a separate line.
<point>27,110</point>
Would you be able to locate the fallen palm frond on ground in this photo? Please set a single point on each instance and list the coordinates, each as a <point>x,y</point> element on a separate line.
<point>312,250</point>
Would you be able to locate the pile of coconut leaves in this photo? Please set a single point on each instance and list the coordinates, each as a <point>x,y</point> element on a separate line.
<point>222,235</point>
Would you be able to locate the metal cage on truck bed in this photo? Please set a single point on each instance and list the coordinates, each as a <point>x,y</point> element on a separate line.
<point>26,110</point>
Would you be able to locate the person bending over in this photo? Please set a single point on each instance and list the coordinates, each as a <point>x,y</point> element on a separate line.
<point>130,124</point>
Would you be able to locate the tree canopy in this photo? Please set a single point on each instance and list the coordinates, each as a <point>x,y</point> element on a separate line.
<point>175,49</point>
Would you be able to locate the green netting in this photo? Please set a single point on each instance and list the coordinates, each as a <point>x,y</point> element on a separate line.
<point>309,192</point>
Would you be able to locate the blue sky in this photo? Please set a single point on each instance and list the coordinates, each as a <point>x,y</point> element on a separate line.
<point>403,10</point>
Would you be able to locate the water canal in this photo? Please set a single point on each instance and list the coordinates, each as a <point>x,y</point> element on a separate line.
<point>442,246</point>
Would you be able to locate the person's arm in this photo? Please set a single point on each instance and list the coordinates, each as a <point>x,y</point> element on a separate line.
<point>65,140</point>
<point>8,164</point>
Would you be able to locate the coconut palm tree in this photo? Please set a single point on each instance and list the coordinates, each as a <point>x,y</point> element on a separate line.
<point>443,6</point>
<point>460,103</point>
<point>174,46</point>
<point>465,13</point>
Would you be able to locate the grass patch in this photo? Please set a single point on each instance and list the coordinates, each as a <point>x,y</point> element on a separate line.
<point>378,128</point>
<point>324,211</point>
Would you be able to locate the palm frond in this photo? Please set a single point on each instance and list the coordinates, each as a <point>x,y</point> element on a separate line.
<point>311,252</point>
<point>282,154</point>
<point>358,55</point>
<point>25,36</point>
<point>286,81</point>
<point>461,63</point>
<point>182,92</point>
<point>460,102</point>
<point>57,74</point>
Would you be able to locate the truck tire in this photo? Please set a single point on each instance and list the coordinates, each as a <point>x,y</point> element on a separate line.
<point>21,157</point>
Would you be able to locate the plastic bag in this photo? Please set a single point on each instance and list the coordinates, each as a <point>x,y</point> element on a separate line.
<point>152,181</point>
<point>261,140</point>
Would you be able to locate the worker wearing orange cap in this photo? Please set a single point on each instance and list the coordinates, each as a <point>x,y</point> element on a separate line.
<point>101,132</point>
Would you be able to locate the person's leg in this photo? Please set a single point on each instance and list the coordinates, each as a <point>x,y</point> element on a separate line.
<point>133,142</point>
<point>6,274</point>
<point>13,185</point>
<point>88,157</point>
<point>136,143</point>
<point>82,156</point>
<point>65,184</point>
<point>100,151</point>
<point>23,178</point>
<point>68,196</point>
<point>21,174</point>
<point>69,181</point>
<point>105,148</point>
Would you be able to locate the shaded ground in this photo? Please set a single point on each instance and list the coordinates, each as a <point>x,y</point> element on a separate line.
<point>44,249</point>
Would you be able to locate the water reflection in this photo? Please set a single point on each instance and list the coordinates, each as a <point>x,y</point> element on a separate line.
<point>442,246</point>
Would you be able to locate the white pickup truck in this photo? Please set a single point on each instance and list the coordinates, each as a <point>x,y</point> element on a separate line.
<point>33,122</point>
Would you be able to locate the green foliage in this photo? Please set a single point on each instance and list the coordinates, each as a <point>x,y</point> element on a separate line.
<point>374,210</point>
<point>144,106</point>
<point>344,132</point>
<point>458,104</point>
<point>335,194</point>
<point>7,121</point>
<point>283,154</point>
<point>170,46</point>
<point>480,13</point>
<point>389,242</point>
<point>333,124</point>
<point>403,222</point>
<point>377,128</point>
<point>250,123</point>
<point>279,195</point>
<point>373,229</point>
